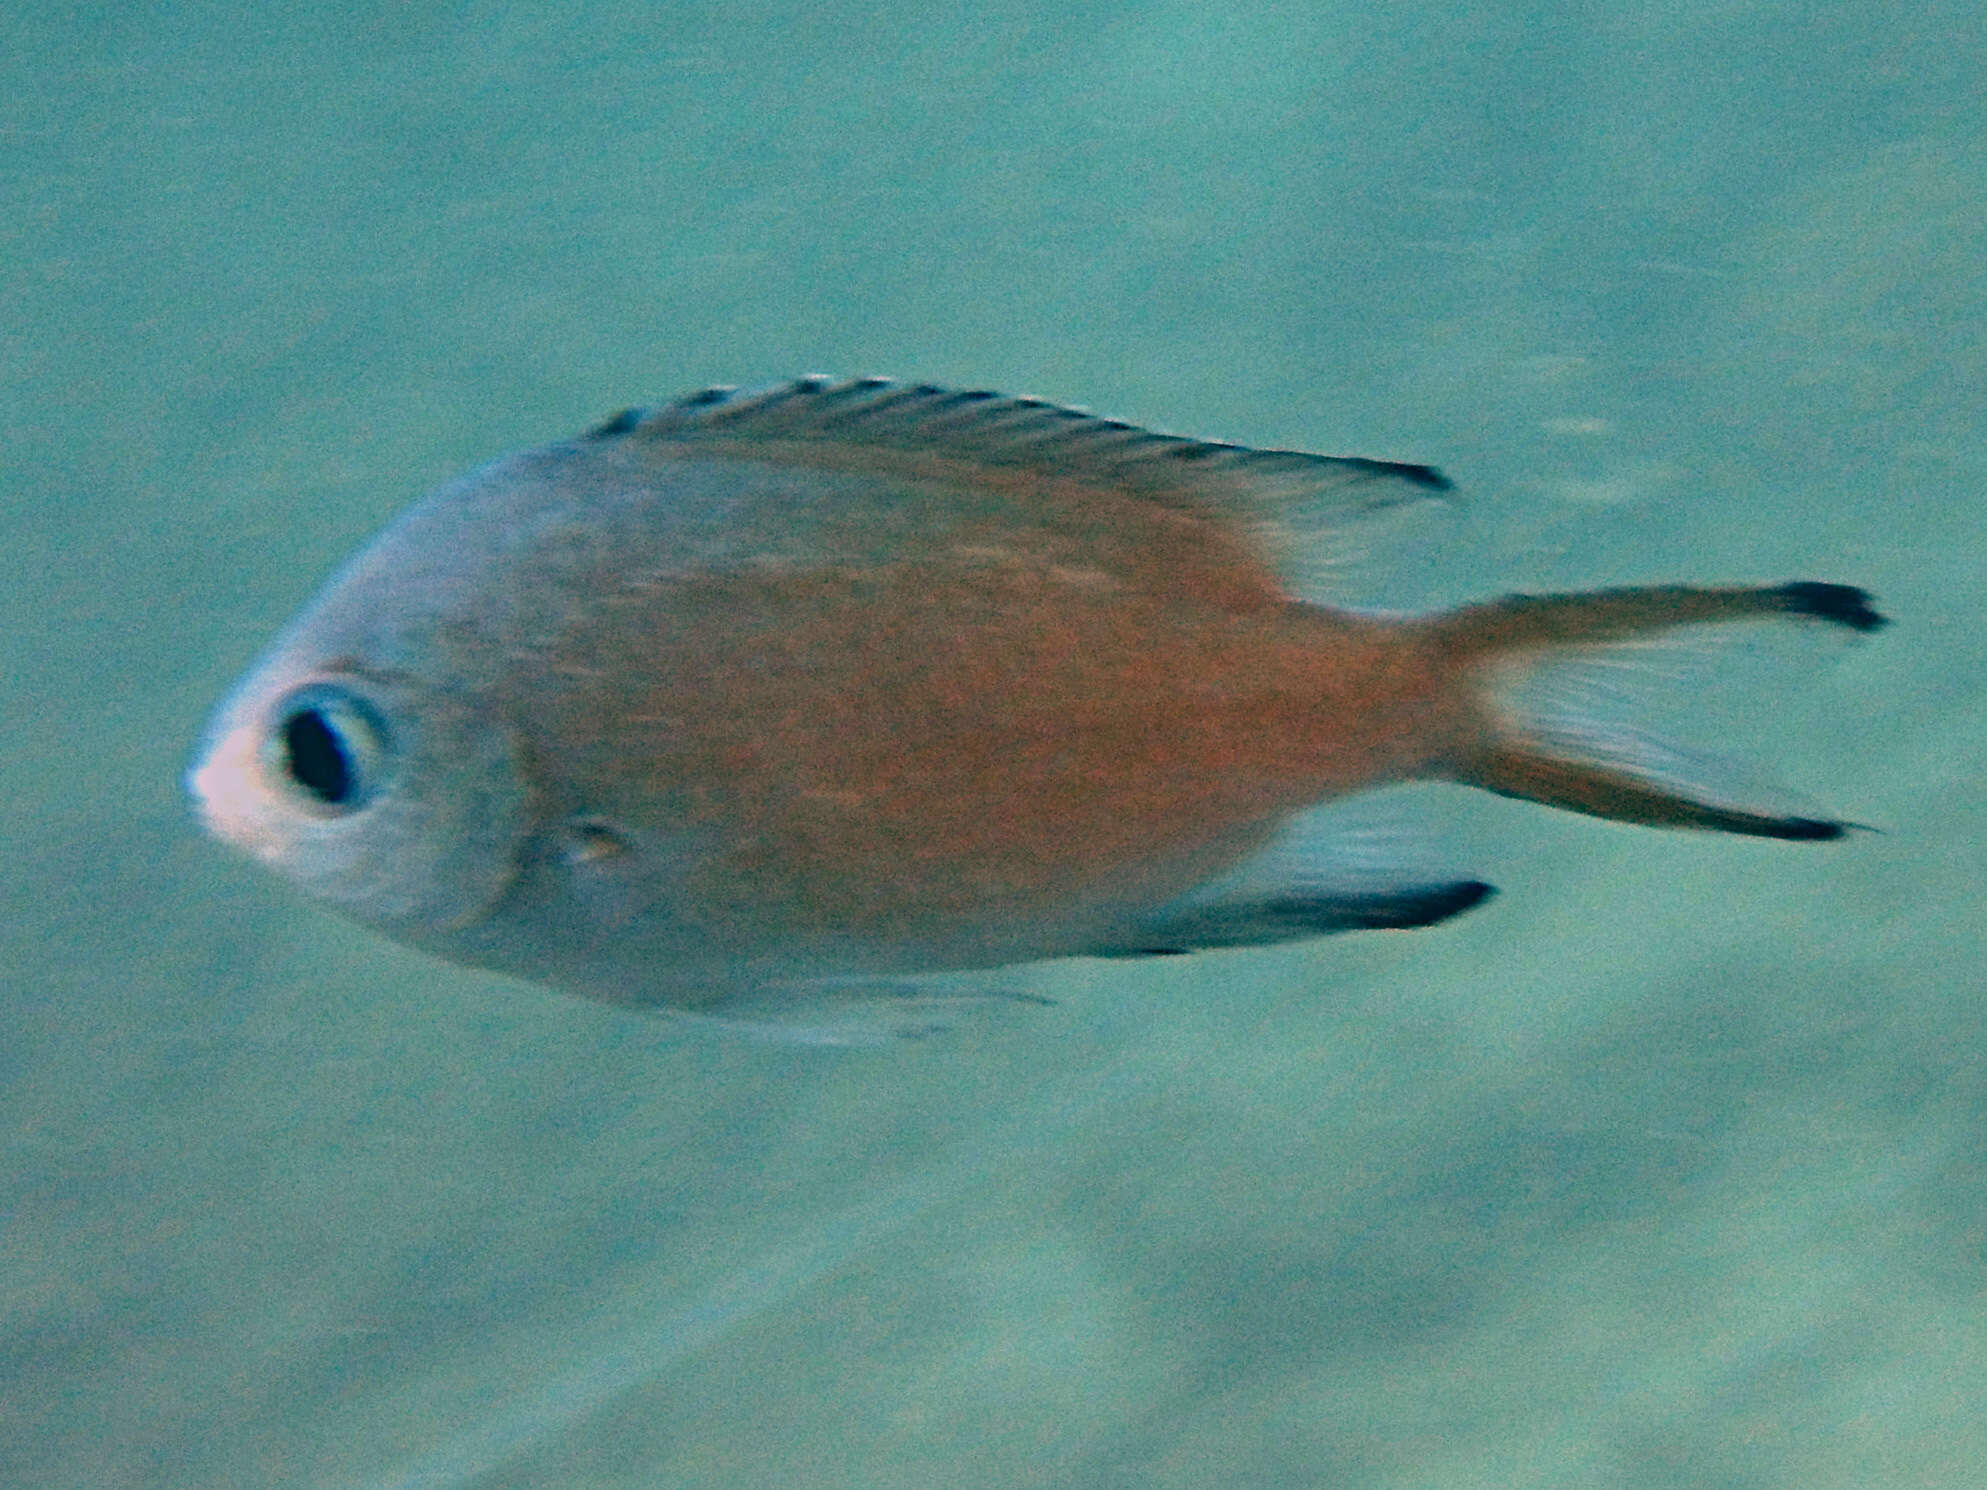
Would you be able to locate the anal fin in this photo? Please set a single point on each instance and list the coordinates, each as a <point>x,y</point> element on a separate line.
<point>1265,920</point>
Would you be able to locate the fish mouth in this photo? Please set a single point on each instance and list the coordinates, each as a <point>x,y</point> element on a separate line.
<point>226,794</point>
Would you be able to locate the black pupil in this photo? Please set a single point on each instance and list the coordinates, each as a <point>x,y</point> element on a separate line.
<point>318,762</point>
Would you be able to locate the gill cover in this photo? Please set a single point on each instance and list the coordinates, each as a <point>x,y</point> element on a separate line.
<point>398,802</point>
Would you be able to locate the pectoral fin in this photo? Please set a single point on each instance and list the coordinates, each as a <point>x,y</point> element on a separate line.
<point>862,1011</point>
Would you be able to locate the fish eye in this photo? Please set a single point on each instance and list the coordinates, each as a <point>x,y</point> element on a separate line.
<point>330,748</point>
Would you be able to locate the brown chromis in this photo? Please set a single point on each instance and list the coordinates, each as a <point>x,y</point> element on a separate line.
<point>770,691</point>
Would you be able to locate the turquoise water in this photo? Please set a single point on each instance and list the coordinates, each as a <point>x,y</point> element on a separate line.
<point>1664,1170</point>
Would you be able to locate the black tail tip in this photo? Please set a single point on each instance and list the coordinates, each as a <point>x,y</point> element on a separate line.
<point>1841,605</point>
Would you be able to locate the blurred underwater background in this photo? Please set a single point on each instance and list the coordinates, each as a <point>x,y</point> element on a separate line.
<point>1666,1169</point>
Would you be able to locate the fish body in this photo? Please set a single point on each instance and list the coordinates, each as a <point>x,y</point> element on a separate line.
<point>851,679</point>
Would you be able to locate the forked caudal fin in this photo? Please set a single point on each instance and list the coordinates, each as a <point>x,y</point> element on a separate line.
<point>1556,754</point>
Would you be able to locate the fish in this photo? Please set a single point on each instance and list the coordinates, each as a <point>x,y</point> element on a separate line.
<point>836,681</point>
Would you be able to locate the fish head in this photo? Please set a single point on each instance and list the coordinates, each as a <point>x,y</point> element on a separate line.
<point>394,798</point>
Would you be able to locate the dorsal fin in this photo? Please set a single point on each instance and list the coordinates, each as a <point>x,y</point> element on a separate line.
<point>908,426</point>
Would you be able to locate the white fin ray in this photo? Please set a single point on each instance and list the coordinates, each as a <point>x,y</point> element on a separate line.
<point>1708,776</point>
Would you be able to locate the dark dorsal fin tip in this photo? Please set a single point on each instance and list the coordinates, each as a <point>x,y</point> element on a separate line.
<point>830,392</point>
<point>883,403</point>
<point>1102,429</point>
<point>619,423</point>
<point>1423,476</point>
<point>1185,449</point>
